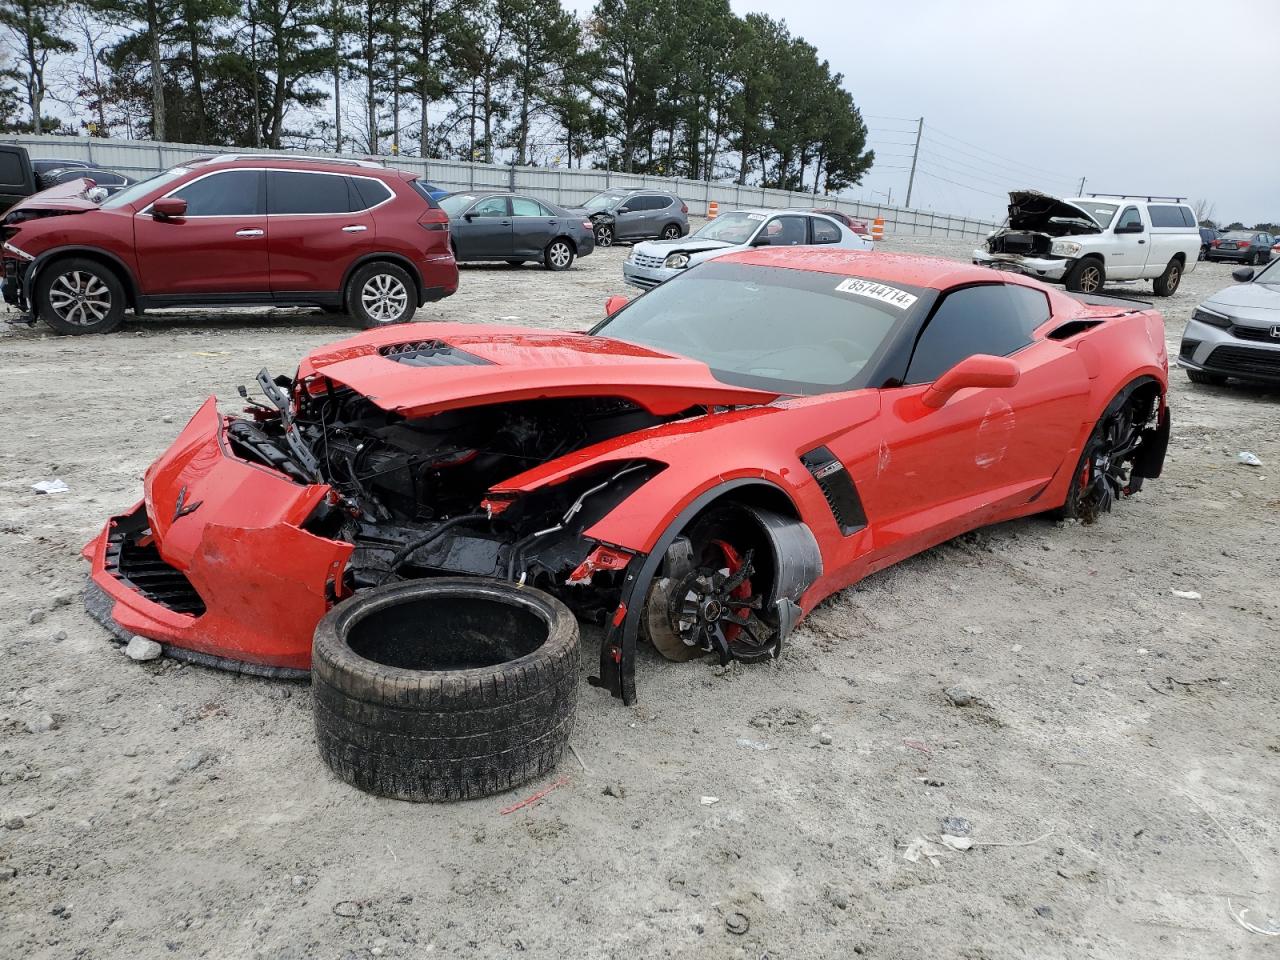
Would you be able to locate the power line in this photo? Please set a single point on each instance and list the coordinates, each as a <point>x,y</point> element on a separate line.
<point>998,156</point>
<point>934,176</point>
<point>872,116</point>
<point>972,174</point>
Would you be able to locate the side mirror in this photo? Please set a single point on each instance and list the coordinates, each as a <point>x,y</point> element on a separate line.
<point>167,207</point>
<point>614,304</point>
<point>624,210</point>
<point>760,240</point>
<point>468,217</point>
<point>1242,274</point>
<point>979,370</point>
<point>1130,228</point>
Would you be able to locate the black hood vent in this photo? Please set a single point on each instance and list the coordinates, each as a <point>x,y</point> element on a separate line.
<point>431,353</point>
<point>837,486</point>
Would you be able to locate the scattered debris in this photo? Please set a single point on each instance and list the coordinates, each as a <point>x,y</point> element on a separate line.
<point>35,616</point>
<point>1044,911</point>
<point>1186,594</point>
<point>140,648</point>
<point>921,847</point>
<point>347,908</point>
<point>956,826</point>
<point>1272,928</point>
<point>42,724</point>
<point>737,923</point>
<point>527,801</point>
<point>825,738</point>
<point>1079,680</point>
<point>616,790</point>
<point>1012,843</point>
<point>15,822</point>
<point>59,485</point>
<point>956,843</point>
<point>752,744</point>
<point>193,760</point>
<point>917,745</point>
<point>581,763</point>
<point>1249,459</point>
<point>960,697</point>
<point>708,801</point>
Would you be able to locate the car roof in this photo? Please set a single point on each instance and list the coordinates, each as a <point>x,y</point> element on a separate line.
<point>292,162</point>
<point>911,269</point>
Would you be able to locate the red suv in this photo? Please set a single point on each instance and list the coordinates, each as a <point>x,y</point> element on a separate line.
<point>345,235</point>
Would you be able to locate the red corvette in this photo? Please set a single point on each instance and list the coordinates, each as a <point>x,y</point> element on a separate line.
<point>700,470</point>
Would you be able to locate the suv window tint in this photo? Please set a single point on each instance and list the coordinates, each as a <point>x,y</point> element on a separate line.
<point>1164,215</point>
<point>368,193</point>
<point>491,207</point>
<point>297,191</point>
<point>786,231</point>
<point>1129,216</point>
<point>528,207</point>
<point>982,319</point>
<point>1188,217</point>
<point>825,232</point>
<point>231,193</point>
<point>11,171</point>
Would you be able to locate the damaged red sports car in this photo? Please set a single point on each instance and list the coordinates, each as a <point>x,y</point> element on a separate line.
<point>698,471</point>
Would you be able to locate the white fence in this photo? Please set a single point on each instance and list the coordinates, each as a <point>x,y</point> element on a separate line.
<point>567,187</point>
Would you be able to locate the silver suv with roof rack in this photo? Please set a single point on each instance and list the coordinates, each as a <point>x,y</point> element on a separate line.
<point>1084,242</point>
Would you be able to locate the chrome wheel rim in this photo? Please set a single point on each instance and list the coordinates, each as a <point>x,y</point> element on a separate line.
<point>384,297</point>
<point>604,237</point>
<point>560,254</point>
<point>1089,280</point>
<point>80,298</point>
<point>1174,276</point>
<point>671,233</point>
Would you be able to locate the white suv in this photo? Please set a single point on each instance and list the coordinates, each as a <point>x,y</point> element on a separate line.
<point>1084,241</point>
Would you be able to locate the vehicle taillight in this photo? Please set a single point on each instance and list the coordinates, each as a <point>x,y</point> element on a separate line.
<point>684,208</point>
<point>434,219</point>
<point>587,224</point>
<point>1215,243</point>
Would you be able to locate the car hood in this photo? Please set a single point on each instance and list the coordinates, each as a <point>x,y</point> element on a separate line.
<point>61,198</point>
<point>1033,210</point>
<point>425,368</point>
<point>1248,301</point>
<point>660,248</point>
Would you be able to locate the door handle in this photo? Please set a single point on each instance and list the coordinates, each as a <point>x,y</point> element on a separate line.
<point>505,223</point>
<point>249,233</point>
<point>1142,241</point>
<point>355,228</point>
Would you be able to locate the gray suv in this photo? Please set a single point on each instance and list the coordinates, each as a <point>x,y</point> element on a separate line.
<point>635,215</point>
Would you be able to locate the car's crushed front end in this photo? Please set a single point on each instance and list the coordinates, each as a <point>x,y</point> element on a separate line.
<point>1035,240</point>
<point>459,453</point>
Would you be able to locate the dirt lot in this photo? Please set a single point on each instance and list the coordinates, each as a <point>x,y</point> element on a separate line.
<point>1124,753</point>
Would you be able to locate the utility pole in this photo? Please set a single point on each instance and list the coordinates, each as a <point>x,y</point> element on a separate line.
<point>1081,193</point>
<point>911,180</point>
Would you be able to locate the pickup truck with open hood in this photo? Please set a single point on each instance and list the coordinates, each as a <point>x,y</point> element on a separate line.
<point>1082,242</point>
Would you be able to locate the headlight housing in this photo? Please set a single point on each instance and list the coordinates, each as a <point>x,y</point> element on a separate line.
<point>1064,248</point>
<point>676,261</point>
<point>1212,317</point>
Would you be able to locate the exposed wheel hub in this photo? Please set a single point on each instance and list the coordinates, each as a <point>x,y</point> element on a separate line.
<point>714,609</point>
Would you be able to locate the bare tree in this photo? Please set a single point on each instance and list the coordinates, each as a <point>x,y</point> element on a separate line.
<point>1204,211</point>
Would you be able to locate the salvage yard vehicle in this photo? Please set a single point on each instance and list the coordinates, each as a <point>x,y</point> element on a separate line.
<point>635,215</point>
<point>1083,242</point>
<point>1236,332</point>
<point>231,230</point>
<point>515,228</point>
<point>22,175</point>
<point>692,471</point>
<point>1251,247</point>
<point>659,260</point>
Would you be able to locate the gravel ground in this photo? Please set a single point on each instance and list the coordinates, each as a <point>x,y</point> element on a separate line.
<point>1120,759</point>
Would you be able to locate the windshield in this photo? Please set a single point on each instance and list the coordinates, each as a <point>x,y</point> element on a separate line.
<point>792,331</point>
<point>135,191</point>
<point>603,201</point>
<point>1269,274</point>
<point>731,227</point>
<point>1102,212</point>
<point>454,204</point>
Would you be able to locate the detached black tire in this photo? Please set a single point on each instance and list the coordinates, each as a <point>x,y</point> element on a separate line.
<point>1166,285</point>
<point>1087,276</point>
<point>380,294</point>
<point>76,296</point>
<point>444,689</point>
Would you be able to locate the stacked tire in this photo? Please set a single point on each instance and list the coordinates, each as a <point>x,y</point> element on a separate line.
<point>448,689</point>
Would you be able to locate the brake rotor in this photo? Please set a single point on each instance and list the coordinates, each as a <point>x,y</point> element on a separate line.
<point>713,610</point>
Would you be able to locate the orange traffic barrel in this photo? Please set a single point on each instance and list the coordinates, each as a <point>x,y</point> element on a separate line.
<point>877,229</point>
<point>713,210</point>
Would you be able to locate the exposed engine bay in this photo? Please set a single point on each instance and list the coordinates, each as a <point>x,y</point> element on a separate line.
<point>399,484</point>
<point>1035,220</point>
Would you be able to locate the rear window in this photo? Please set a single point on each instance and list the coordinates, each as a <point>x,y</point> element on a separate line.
<point>11,171</point>
<point>1168,215</point>
<point>370,193</point>
<point>424,190</point>
<point>299,192</point>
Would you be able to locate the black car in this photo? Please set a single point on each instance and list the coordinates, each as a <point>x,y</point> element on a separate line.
<point>515,228</point>
<point>108,180</point>
<point>1247,246</point>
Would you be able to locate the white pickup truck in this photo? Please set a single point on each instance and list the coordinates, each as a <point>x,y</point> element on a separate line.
<point>1083,242</point>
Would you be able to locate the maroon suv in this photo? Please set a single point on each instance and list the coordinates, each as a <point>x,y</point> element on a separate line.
<point>345,235</point>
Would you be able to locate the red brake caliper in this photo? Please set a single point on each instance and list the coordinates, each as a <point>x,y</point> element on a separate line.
<point>733,562</point>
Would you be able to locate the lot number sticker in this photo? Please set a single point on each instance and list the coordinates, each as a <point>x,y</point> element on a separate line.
<point>878,291</point>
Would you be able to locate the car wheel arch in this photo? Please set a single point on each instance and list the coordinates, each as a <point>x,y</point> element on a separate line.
<point>617,649</point>
<point>398,259</point>
<point>108,260</point>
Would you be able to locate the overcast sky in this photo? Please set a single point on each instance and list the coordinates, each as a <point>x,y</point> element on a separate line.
<point>1176,97</point>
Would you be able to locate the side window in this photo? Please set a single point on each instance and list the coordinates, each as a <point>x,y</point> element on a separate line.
<point>1163,215</point>
<point>658,203</point>
<point>983,319</point>
<point>232,193</point>
<point>491,207</point>
<point>824,231</point>
<point>1188,217</point>
<point>368,193</point>
<point>11,171</point>
<point>295,192</point>
<point>1032,306</point>
<point>1129,217</point>
<point>526,207</point>
<point>787,231</point>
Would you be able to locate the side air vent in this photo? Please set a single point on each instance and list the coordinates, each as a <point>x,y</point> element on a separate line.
<point>1071,328</point>
<point>431,353</point>
<point>837,486</point>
